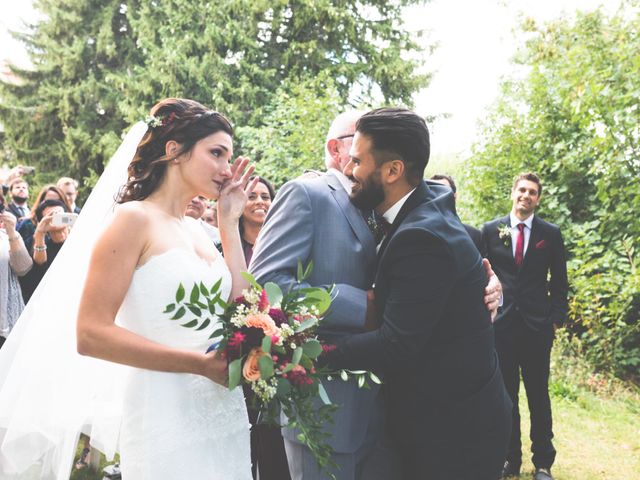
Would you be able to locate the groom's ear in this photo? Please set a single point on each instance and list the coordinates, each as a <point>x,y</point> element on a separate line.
<point>394,170</point>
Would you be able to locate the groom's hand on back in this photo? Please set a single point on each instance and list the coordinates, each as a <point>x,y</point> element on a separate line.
<point>493,290</point>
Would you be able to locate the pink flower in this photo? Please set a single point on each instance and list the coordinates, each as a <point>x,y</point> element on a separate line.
<point>236,339</point>
<point>263,304</point>
<point>328,348</point>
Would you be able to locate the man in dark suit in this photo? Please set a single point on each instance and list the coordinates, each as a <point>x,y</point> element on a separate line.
<point>448,411</point>
<point>528,255</point>
<point>19,190</point>
<point>447,181</point>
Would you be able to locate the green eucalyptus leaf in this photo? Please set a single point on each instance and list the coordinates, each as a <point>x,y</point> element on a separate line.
<point>234,373</point>
<point>216,286</point>
<point>190,324</point>
<point>195,310</point>
<point>252,281</point>
<point>374,378</point>
<point>308,323</point>
<point>266,344</point>
<point>169,308</point>
<point>323,394</point>
<point>308,270</point>
<point>344,375</point>
<point>360,381</point>
<point>179,314</point>
<point>283,388</point>
<point>274,293</point>
<point>300,272</point>
<point>265,363</point>
<point>204,290</point>
<point>195,293</point>
<point>180,293</point>
<point>321,299</point>
<point>217,333</point>
<point>312,348</point>
<point>297,355</point>
<point>204,325</point>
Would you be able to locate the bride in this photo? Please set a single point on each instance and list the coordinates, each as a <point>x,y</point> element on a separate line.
<point>176,418</point>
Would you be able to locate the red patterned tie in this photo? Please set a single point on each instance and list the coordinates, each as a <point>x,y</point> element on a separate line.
<point>520,245</point>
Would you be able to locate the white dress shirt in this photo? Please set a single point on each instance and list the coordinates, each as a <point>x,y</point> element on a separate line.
<point>391,214</point>
<point>515,232</point>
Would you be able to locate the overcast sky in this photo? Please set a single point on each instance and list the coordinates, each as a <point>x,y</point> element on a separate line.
<point>476,39</point>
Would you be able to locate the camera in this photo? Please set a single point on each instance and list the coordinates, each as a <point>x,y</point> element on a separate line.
<point>111,472</point>
<point>63,219</point>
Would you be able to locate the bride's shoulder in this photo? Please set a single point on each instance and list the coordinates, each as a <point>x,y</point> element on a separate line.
<point>133,211</point>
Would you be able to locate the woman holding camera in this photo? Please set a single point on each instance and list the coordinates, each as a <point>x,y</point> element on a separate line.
<point>14,262</point>
<point>27,227</point>
<point>47,242</point>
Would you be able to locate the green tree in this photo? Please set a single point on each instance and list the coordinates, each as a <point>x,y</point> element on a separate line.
<point>99,66</point>
<point>574,120</point>
<point>291,138</point>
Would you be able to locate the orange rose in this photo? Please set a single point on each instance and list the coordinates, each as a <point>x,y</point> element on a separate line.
<point>264,322</point>
<point>251,370</point>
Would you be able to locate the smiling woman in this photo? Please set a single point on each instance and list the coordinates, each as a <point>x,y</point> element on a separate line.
<point>254,215</point>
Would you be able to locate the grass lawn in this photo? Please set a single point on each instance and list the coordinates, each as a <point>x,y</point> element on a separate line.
<point>597,438</point>
<point>596,422</point>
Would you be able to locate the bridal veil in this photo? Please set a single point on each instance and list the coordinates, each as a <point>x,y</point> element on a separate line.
<point>48,392</point>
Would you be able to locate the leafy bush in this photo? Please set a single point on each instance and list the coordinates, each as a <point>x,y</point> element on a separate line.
<point>574,120</point>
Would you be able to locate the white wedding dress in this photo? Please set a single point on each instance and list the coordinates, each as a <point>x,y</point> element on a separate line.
<point>175,425</point>
<point>169,426</point>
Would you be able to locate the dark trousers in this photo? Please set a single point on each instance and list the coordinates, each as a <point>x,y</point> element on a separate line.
<point>524,350</point>
<point>2,339</point>
<point>268,456</point>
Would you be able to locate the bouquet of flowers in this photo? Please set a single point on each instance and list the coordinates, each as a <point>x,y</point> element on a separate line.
<point>270,341</point>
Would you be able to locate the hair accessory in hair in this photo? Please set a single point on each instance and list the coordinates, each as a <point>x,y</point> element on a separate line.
<point>152,121</point>
<point>168,119</point>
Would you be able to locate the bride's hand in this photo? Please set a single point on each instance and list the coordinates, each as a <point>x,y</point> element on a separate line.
<point>216,368</point>
<point>235,191</point>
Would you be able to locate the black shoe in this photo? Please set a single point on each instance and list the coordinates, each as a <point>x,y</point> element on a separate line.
<point>510,470</point>
<point>542,474</point>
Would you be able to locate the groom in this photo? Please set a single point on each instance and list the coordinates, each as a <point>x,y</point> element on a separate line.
<point>448,412</point>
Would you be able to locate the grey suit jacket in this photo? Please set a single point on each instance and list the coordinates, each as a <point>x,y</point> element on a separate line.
<point>313,219</point>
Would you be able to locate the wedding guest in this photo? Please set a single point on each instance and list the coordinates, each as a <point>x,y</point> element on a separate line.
<point>211,214</point>
<point>19,191</point>
<point>15,261</point>
<point>69,187</point>
<point>47,242</point>
<point>196,210</point>
<point>448,181</point>
<point>27,227</point>
<point>528,256</point>
<point>255,212</point>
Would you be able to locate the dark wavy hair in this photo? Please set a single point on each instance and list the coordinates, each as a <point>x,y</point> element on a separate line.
<point>398,133</point>
<point>181,120</point>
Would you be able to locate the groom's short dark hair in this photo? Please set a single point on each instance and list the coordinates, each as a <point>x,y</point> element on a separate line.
<point>398,133</point>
